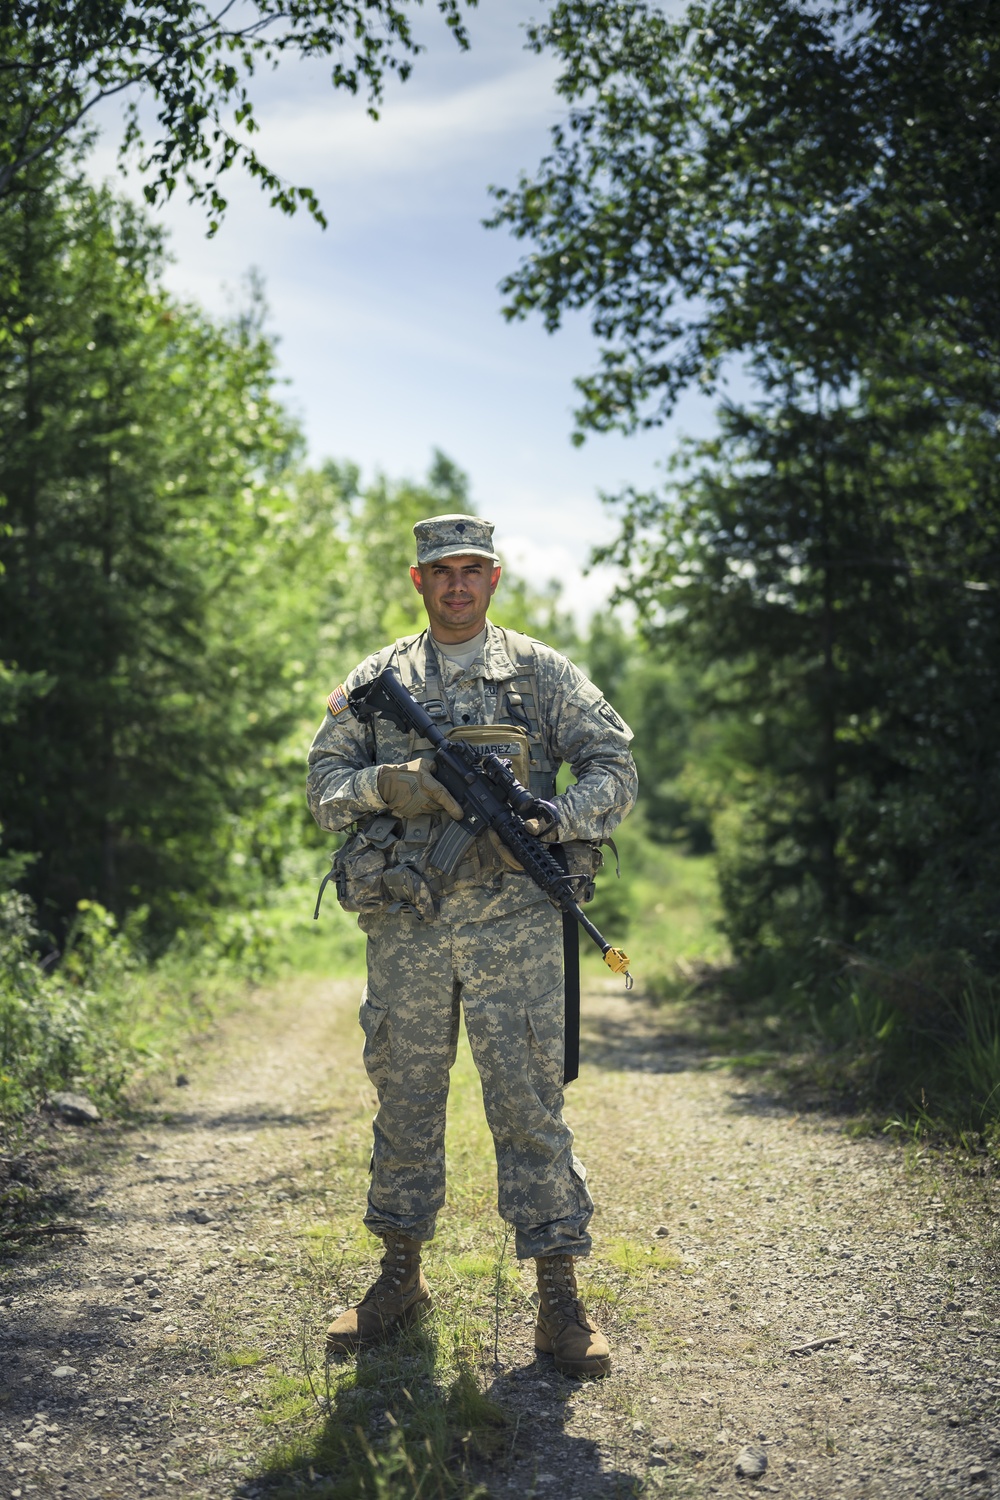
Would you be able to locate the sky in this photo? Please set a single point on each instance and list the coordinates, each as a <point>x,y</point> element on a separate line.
<point>389,321</point>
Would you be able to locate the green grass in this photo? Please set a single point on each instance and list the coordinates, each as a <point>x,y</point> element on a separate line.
<point>664,911</point>
<point>104,1019</point>
<point>408,1420</point>
<point>632,1256</point>
<point>914,1047</point>
<point>240,1359</point>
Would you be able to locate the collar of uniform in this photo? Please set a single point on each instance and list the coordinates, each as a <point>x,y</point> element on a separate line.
<point>498,665</point>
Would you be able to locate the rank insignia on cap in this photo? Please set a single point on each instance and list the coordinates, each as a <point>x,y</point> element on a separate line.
<point>337,700</point>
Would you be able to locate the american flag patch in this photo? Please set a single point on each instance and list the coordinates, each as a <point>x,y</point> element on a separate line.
<point>337,700</point>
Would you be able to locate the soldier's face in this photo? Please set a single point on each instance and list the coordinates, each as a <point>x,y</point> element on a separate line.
<point>456,592</point>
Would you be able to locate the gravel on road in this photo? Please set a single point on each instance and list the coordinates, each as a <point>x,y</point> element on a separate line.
<point>794,1311</point>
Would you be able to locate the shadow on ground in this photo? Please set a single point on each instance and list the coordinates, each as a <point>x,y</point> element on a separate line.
<point>777,1065</point>
<point>401,1420</point>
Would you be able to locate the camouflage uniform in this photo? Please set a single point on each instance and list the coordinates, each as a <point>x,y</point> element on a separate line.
<point>484,938</point>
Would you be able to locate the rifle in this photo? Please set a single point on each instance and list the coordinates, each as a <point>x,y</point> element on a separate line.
<point>490,796</point>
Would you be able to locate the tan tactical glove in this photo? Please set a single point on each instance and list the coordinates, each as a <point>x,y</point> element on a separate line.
<point>545,826</point>
<point>411,789</point>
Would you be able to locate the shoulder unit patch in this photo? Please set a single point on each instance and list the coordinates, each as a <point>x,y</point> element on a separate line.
<point>337,700</point>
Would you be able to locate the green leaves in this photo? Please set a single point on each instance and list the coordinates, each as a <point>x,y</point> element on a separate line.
<point>815,562</point>
<point>57,62</point>
<point>142,473</point>
<point>782,183</point>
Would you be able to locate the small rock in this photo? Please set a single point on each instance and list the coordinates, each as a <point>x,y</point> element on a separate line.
<point>156,1307</point>
<point>954,1421</point>
<point>200,1216</point>
<point>137,1278</point>
<point>143,1156</point>
<point>638,1428</point>
<point>661,1232</point>
<point>662,1445</point>
<point>978,1474</point>
<point>63,1372</point>
<point>75,1109</point>
<point>153,1290</point>
<point>751,1463</point>
<point>182,1080</point>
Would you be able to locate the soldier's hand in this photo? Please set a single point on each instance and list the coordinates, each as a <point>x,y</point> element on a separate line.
<point>545,824</point>
<point>412,788</point>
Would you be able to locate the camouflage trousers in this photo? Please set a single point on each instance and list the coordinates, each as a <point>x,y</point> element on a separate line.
<point>506,975</point>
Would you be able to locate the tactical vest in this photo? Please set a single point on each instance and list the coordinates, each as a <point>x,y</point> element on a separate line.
<point>516,699</point>
<point>386,862</point>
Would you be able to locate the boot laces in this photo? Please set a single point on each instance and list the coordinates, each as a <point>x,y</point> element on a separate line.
<point>560,1284</point>
<point>393,1268</point>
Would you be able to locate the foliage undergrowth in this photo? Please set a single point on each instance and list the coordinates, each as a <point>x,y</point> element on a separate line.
<point>102,1018</point>
<point>912,1049</point>
<point>913,1046</point>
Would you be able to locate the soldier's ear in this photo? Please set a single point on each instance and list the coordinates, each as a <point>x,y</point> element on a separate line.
<point>494,579</point>
<point>418,582</point>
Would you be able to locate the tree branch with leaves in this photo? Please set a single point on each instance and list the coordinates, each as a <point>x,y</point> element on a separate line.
<point>197,62</point>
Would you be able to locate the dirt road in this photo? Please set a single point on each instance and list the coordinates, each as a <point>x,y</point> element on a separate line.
<point>776,1291</point>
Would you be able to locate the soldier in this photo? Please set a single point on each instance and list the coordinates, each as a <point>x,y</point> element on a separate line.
<point>485,937</point>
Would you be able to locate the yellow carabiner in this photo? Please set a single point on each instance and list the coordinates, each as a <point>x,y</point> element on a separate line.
<point>618,961</point>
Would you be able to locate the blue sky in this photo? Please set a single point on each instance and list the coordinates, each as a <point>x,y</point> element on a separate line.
<point>389,321</point>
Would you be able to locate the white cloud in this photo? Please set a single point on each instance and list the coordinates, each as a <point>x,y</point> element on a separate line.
<point>333,140</point>
<point>540,561</point>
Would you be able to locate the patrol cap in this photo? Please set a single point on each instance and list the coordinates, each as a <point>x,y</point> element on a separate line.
<point>453,536</point>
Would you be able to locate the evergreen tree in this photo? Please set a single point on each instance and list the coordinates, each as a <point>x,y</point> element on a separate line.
<point>141,474</point>
<point>831,570</point>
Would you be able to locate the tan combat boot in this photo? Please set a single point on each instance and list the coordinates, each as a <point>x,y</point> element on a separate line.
<point>398,1297</point>
<point>563,1328</point>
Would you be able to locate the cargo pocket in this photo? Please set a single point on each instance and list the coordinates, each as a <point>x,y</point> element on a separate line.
<point>546,1041</point>
<point>374,1019</point>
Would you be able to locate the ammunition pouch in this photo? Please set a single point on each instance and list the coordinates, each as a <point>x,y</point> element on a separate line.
<point>408,890</point>
<point>359,864</point>
<point>376,868</point>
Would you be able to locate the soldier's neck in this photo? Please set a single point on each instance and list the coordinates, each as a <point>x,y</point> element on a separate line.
<point>462,653</point>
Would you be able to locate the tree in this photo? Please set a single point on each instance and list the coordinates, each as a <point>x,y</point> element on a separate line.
<point>831,571</point>
<point>797,184</point>
<point>196,61</point>
<point>143,485</point>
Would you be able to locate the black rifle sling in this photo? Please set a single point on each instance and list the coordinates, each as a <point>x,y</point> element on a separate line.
<point>571,984</point>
